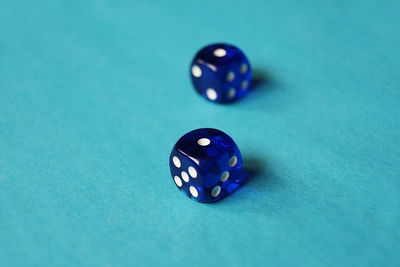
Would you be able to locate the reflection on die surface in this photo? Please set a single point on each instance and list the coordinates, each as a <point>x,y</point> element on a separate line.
<point>206,165</point>
<point>221,73</point>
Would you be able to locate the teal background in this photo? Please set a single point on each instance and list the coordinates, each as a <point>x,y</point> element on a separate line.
<point>94,94</point>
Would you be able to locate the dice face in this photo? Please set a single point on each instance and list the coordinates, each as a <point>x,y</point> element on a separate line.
<point>221,73</point>
<point>206,165</point>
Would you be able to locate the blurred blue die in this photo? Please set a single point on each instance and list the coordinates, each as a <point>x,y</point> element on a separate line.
<point>221,73</point>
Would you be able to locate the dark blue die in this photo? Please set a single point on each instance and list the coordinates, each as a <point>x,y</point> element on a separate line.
<point>221,73</point>
<point>206,165</point>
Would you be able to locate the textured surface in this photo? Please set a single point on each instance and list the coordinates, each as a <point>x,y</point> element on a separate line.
<point>94,94</point>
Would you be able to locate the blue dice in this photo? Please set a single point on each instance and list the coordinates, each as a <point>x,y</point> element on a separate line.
<point>206,165</point>
<point>221,73</point>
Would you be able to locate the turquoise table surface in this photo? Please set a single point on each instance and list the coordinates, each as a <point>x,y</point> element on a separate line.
<point>94,94</point>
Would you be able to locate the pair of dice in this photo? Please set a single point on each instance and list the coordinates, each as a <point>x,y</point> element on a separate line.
<point>206,164</point>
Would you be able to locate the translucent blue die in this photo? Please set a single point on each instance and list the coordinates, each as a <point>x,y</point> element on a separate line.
<point>221,73</point>
<point>206,165</point>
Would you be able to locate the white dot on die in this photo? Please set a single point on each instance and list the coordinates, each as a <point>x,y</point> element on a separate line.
<point>193,191</point>
<point>196,71</point>
<point>233,161</point>
<point>220,52</point>
<point>203,141</point>
<point>224,176</point>
<point>243,68</point>
<point>211,94</point>
<point>178,181</point>
<point>230,76</point>
<point>232,93</point>
<point>244,85</point>
<point>192,172</point>
<point>215,191</point>
<point>176,161</point>
<point>185,176</point>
